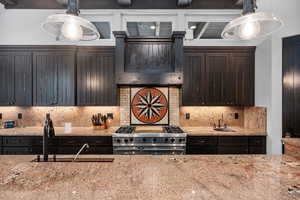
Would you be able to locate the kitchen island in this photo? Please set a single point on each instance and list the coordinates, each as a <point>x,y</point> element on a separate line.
<point>241,177</point>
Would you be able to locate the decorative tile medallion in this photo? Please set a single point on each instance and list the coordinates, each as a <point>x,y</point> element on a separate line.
<point>149,106</point>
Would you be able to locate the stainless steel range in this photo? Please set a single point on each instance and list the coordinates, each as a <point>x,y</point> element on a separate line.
<point>132,140</point>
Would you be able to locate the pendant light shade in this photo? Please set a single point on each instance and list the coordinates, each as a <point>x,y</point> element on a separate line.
<point>252,25</point>
<point>70,26</point>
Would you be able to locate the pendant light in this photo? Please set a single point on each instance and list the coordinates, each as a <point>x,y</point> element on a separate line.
<point>70,26</point>
<point>251,25</point>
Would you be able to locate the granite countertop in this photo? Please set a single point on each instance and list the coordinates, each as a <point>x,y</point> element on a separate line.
<point>89,131</point>
<point>292,141</point>
<point>208,131</point>
<point>241,177</point>
<point>59,131</point>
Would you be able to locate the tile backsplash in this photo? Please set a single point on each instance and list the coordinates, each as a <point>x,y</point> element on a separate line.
<point>207,116</point>
<point>248,117</point>
<point>251,118</point>
<point>78,116</point>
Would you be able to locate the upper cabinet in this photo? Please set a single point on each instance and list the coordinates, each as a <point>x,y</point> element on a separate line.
<point>96,77</point>
<point>218,76</point>
<point>54,77</point>
<point>15,77</point>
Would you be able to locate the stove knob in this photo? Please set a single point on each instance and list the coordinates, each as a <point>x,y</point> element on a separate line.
<point>154,139</point>
<point>126,140</point>
<point>131,139</point>
<point>144,139</point>
<point>181,140</point>
<point>118,140</point>
<point>172,140</point>
<point>166,140</point>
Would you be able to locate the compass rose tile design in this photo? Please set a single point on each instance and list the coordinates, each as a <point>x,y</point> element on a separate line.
<point>149,106</point>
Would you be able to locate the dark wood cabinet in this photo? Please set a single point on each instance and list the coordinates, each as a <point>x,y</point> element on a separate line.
<point>96,77</point>
<point>218,76</point>
<point>30,145</point>
<point>201,145</point>
<point>233,145</point>
<point>226,145</point>
<point>15,78</point>
<point>194,84</point>
<point>54,78</point>
<point>242,79</point>
<point>290,86</point>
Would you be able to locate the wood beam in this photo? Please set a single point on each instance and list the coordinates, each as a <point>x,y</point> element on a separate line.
<point>113,4</point>
<point>9,2</point>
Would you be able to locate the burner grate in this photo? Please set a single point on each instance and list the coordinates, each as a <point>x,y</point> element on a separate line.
<point>173,129</point>
<point>125,129</point>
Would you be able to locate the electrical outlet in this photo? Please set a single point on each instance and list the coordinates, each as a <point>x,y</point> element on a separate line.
<point>187,116</point>
<point>236,115</point>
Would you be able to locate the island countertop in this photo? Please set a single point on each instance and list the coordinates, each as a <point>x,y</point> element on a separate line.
<point>241,177</point>
<point>89,131</point>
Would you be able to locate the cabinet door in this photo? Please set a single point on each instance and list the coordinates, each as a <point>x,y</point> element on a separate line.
<point>295,60</point>
<point>16,78</point>
<point>242,73</point>
<point>195,85</point>
<point>53,78</point>
<point>216,75</point>
<point>6,79</point>
<point>23,79</point>
<point>96,78</point>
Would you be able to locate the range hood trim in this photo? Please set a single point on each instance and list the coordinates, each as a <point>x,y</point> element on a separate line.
<point>149,78</point>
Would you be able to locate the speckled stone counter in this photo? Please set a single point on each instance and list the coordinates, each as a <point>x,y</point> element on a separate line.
<point>292,147</point>
<point>153,177</point>
<point>208,131</point>
<point>59,131</point>
<point>89,131</point>
<point>292,141</point>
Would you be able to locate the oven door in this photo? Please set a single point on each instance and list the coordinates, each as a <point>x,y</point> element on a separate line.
<point>149,150</point>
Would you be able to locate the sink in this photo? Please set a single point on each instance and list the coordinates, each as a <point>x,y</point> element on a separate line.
<point>77,160</point>
<point>224,129</point>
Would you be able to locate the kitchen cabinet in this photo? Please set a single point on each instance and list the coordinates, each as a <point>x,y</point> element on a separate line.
<point>201,145</point>
<point>194,84</point>
<point>54,77</point>
<point>1,149</point>
<point>15,78</point>
<point>218,76</point>
<point>290,86</point>
<point>96,77</point>
<point>31,145</point>
<point>226,145</point>
<point>233,145</point>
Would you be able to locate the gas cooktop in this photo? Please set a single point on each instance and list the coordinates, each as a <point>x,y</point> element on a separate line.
<point>149,129</point>
<point>149,140</point>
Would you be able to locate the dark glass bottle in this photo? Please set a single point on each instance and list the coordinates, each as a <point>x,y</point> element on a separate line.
<point>1,121</point>
<point>49,128</point>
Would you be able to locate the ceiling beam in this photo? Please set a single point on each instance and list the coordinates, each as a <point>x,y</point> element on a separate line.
<point>114,4</point>
<point>203,30</point>
<point>9,2</point>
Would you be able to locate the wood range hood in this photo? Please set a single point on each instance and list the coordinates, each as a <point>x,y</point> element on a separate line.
<point>149,60</point>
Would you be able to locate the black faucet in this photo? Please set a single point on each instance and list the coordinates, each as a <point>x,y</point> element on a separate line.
<point>48,134</point>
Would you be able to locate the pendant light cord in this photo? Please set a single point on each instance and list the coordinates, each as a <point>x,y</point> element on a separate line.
<point>73,7</point>
<point>249,6</point>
